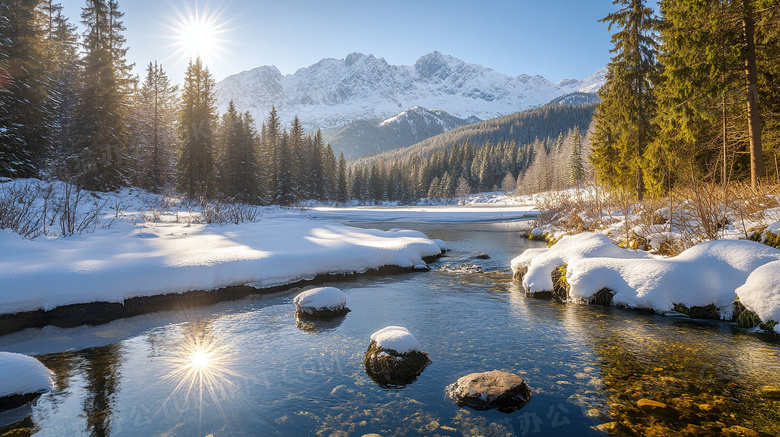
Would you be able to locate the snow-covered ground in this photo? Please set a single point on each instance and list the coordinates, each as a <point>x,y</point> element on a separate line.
<point>133,243</point>
<point>142,245</point>
<point>715,272</point>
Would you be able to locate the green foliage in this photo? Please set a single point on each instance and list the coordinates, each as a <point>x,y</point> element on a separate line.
<point>155,136</point>
<point>699,312</point>
<point>238,166</point>
<point>24,91</point>
<point>197,129</point>
<point>576,161</point>
<point>102,114</point>
<point>623,122</point>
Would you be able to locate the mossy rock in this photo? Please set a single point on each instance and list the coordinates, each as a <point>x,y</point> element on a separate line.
<point>710,311</point>
<point>603,297</point>
<point>748,319</point>
<point>389,368</point>
<point>323,313</point>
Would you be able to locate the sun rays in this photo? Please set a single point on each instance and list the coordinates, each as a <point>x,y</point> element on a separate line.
<point>198,31</point>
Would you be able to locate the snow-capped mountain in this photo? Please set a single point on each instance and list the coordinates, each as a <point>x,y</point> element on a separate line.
<point>335,92</point>
<point>369,137</point>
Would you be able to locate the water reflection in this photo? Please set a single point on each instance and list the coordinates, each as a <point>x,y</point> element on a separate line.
<point>316,325</point>
<point>199,364</point>
<point>101,367</point>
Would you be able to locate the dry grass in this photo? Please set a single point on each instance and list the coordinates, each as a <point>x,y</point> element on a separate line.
<point>667,225</point>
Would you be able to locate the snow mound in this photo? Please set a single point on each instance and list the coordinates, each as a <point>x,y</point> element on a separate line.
<point>714,272</point>
<point>761,292</point>
<point>708,273</point>
<point>22,374</point>
<point>396,338</point>
<point>537,265</point>
<point>323,298</point>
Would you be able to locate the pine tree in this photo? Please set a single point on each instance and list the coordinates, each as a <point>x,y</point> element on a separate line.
<point>295,162</point>
<point>623,122</point>
<point>197,128</point>
<point>62,61</point>
<point>341,184</point>
<point>24,91</point>
<point>238,167</point>
<point>156,136</point>
<point>270,153</point>
<point>101,161</point>
<point>576,176</point>
<point>285,190</point>
<point>316,167</point>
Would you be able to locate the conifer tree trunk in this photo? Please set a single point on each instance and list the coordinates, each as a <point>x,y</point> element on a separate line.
<point>754,121</point>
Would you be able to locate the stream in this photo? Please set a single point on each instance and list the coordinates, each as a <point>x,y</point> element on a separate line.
<point>265,373</point>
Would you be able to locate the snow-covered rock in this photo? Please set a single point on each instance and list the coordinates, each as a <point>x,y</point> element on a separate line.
<point>761,293</point>
<point>335,92</point>
<point>321,302</point>
<point>394,357</point>
<point>710,273</point>
<point>395,338</point>
<point>22,375</point>
<point>536,266</point>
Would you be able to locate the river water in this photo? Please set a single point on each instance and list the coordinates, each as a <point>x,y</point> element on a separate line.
<point>247,367</point>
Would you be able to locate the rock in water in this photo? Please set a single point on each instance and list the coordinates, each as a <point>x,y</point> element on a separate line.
<point>495,389</point>
<point>321,302</point>
<point>394,357</point>
<point>22,379</point>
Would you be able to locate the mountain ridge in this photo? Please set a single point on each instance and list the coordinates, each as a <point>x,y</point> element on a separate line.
<point>335,92</point>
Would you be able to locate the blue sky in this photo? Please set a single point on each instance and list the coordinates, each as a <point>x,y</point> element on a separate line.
<point>555,38</point>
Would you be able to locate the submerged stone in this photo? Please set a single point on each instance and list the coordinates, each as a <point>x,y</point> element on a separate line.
<point>504,391</point>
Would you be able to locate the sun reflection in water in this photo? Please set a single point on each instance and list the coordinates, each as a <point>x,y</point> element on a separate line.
<point>201,368</point>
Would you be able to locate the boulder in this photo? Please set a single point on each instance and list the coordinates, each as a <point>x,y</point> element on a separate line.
<point>322,302</point>
<point>504,391</point>
<point>394,357</point>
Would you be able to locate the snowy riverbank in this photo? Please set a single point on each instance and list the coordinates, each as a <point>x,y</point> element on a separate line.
<point>712,273</point>
<point>150,259</point>
<point>139,244</point>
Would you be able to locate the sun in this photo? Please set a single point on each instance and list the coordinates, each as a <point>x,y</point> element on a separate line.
<point>200,359</point>
<point>198,32</point>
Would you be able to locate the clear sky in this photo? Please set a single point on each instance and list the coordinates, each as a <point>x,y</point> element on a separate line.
<point>554,38</point>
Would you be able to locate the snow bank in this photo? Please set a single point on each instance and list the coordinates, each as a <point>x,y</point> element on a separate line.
<point>22,374</point>
<point>132,260</point>
<point>708,273</point>
<point>396,338</point>
<point>715,272</point>
<point>322,298</point>
<point>537,265</point>
<point>761,292</point>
